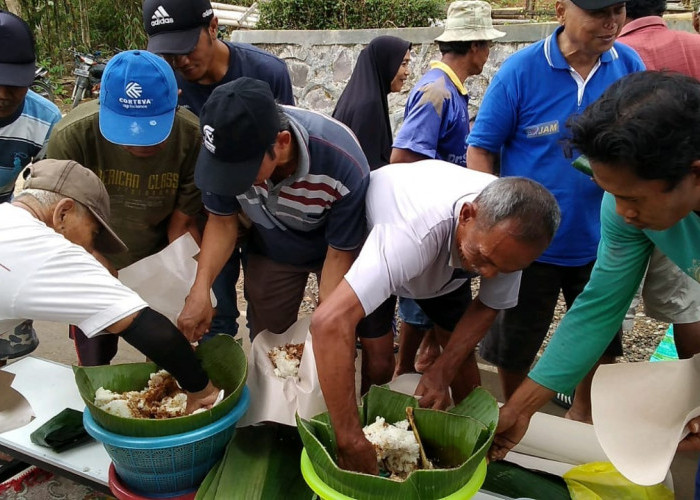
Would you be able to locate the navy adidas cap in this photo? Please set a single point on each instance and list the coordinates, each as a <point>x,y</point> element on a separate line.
<point>173,26</point>
<point>596,4</point>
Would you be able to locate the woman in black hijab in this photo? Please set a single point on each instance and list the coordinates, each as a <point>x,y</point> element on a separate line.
<point>382,67</point>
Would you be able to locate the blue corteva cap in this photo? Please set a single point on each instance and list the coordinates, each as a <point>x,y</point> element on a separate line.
<point>138,99</point>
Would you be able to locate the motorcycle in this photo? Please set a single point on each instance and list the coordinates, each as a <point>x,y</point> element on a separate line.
<point>88,76</point>
<point>41,84</point>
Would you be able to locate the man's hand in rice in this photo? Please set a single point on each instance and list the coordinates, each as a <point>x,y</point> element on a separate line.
<point>202,399</point>
<point>358,455</point>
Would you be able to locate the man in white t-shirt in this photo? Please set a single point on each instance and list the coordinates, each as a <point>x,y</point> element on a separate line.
<point>47,273</point>
<point>433,225</point>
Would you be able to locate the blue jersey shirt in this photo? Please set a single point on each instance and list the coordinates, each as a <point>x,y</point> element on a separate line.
<point>322,204</point>
<point>245,60</point>
<point>22,136</point>
<point>523,116</point>
<point>436,118</point>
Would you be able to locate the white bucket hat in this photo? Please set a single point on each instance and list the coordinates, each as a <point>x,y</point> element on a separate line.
<point>468,21</point>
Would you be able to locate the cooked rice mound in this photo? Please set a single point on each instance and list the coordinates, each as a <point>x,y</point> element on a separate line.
<point>162,398</point>
<point>286,359</point>
<point>396,447</point>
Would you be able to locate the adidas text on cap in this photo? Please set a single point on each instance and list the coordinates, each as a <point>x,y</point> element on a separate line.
<point>70,179</point>
<point>17,55</point>
<point>138,99</point>
<point>173,26</point>
<point>240,122</point>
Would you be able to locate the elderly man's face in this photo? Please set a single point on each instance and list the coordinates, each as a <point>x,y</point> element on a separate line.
<point>11,98</point>
<point>490,250</point>
<point>592,30</point>
<point>646,204</point>
<point>76,225</point>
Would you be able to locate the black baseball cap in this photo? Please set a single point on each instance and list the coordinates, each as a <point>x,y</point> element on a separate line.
<point>173,26</point>
<point>239,123</point>
<point>17,53</point>
<point>596,4</point>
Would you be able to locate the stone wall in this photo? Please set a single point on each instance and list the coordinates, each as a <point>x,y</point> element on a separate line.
<point>320,62</point>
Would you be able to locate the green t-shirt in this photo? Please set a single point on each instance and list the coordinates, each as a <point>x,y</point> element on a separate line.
<point>623,255</point>
<point>143,192</point>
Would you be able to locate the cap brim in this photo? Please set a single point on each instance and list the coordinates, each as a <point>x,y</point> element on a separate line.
<point>174,42</point>
<point>135,131</point>
<point>596,4</point>
<point>17,75</point>
<point>471,36</point>
<point>107,240</point>
<point>225,178</point>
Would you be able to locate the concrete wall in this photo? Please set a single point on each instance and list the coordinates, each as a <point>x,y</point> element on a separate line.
<point>321,62</point>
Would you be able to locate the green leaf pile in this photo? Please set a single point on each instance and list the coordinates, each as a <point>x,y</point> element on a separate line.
<point>456,441</point>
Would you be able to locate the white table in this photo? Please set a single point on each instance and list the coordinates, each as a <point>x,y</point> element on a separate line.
<point>49,388</point>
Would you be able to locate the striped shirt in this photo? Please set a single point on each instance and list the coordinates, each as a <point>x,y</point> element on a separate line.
<point>21,138</point>
<point>320,205</point>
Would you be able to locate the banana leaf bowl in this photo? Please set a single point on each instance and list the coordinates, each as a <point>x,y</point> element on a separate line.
<point>222,358</point>
<point>456,441</point>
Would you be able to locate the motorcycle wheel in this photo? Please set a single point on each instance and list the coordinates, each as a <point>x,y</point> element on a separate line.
<point>44,89</point>
<point>79,94</point>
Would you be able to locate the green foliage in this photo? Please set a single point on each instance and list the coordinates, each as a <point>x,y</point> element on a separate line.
<point>87,25</point>
<point>348,14</point>
<point>116,28</point>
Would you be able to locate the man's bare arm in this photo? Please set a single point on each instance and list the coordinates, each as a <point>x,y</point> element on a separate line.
<point>480,159</point>
<point>470,329</point>
<point>405,156</point>
<point>181,223</point>
<point>219,241</point>
<point>515,415</point>
<point>336,264</point>
<point>333,334</point>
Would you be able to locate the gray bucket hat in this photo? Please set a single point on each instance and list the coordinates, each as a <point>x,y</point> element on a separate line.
<point>467,21</point>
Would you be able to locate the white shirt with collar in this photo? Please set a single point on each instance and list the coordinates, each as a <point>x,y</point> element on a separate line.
<point>412,214</point>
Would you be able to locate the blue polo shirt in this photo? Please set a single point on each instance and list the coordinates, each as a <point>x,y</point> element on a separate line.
<point>22,136</point>
<point>523,116</point>
<point>322,204</point>
<point>244,60</point>
<point>436,118</point>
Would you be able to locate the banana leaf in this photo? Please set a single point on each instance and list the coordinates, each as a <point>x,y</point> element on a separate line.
<point>456,442</point>
<point>222,358</point>
<point>514,481</point>
<point>260,462</point>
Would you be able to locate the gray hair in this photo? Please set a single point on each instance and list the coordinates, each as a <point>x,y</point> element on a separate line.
<point>524,200</point>
<point>49,199</point>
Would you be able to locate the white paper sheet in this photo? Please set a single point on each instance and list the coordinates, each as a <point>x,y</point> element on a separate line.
<point>273,399</point>
<point>640,411</point>
<point>15,410</point>
<point>164,279</point>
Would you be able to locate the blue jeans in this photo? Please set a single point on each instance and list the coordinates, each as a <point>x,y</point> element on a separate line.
<point>411,313</point>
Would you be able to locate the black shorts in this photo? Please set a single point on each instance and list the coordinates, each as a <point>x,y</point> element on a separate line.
<point>517,334</point>
<point>444,310</point>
